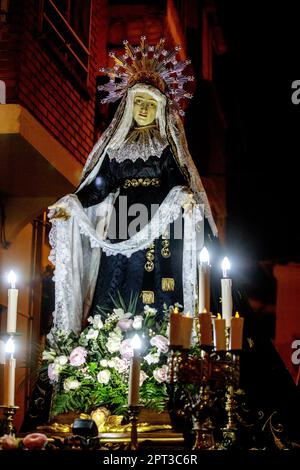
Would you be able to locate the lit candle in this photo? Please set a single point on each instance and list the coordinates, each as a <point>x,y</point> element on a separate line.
<point>134,375</point>
<point>10,374</point>
<point>175,328</point>
<point>2,352</point>
<point>236,332</point>
<point>204,281</point>
<point>226,292</point>
<point>187,327</point>
<point>219,333</point>
<point>206,331</point>
<point>12,304</point>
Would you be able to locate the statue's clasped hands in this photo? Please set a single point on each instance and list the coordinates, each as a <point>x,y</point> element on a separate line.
<point>58,211</point>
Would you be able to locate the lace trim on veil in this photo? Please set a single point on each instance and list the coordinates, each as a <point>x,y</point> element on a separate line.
<point>142,142</point>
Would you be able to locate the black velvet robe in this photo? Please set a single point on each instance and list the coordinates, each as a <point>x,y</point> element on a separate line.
<point>128,275</point>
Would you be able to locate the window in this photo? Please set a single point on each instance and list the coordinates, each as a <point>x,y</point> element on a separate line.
<point>65,25</point>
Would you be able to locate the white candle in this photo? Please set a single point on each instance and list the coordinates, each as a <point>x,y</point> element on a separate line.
<point>12,304</point>
<point>2,352</point>
<point>9,375</point>
<point>226,293</point>
<point>204,281</point>
<point>9,381</point>
<point>134,375</point>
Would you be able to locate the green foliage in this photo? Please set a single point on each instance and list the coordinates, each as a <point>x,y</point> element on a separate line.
<point>92,370</point>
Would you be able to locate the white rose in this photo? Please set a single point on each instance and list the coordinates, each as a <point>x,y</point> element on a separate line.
<point>103,363</point>
<point>61,360</point>
<point>111,363</point>
<point>149,309</point>
<point>116,334</point>
<point>97,323</point>
<point>92,334</point>
<point>48,355</point>
<point>113,345</point>
<point>120,365</point>
<point>103,376</point>
<point>152,358</point>
<point>71,384</point>
<point>137,322</point>
<point>119,312</point>
<point>143,377</point>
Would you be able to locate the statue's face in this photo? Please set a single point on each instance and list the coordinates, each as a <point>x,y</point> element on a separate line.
<point>144,109</point>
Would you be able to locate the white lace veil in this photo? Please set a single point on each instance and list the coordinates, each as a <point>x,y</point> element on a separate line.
<point>171,128</point>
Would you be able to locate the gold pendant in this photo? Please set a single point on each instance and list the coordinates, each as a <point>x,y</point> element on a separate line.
<point>149,266</point>
<point>165,251</point>
<point>148,297</point>
<point>167,284</point>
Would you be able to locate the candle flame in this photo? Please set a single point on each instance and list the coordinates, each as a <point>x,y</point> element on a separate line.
<point>12,279</point>
<point>219,316</point>
<point>136,342</point>
<point>204,310</point>
<point>226,263</point>
<point>176,310</point>
<point>10,346</point>
<point>237,315</point>
<point>225,266</point>
<point>188,315</point>
<point>204,255</point>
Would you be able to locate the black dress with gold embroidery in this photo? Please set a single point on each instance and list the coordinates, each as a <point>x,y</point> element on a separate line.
<point>153,274</point>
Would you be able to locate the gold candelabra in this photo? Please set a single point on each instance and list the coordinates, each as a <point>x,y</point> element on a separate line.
<point>212,375</point>
<point>9,412</point>
<point>134,411</point>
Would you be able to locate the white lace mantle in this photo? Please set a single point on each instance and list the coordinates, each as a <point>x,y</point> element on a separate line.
<point>142,142</point>
<point>76,245</point>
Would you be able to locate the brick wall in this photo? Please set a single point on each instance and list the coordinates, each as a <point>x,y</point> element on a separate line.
<point>10,45</point>
<point>37,81</point>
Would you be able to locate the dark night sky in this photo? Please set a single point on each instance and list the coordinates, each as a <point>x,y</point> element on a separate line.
<point>263,142</point>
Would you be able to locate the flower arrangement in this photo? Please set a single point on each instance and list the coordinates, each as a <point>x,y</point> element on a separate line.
<point>92,370</point>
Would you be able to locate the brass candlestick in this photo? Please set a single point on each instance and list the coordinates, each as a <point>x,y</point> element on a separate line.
<point>134,411</point>
<point>174,360</point>
<point>202,424</point>
<point>230,430</point>
<point>9,412</point>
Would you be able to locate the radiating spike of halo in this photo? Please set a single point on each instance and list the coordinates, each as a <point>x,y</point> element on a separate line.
<point>159,66</point>
<point>129,49</point>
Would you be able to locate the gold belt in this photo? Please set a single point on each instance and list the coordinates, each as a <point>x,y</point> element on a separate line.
<point>134,182</point>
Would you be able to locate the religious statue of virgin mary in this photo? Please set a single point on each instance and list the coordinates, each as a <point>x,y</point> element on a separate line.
<point>135,224</point>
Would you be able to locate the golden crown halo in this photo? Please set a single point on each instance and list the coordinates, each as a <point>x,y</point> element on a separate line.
<point>153,65</point>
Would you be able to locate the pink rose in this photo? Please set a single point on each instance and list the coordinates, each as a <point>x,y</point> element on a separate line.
<point>161,342</point>
<point>78,356</point>
<point>120,365</point>
<point>8,442</point>
<point>53,372</point>
<point>126,350</point>
<point>161,374</point>
<point>35,441</point>
<point>125,324</point>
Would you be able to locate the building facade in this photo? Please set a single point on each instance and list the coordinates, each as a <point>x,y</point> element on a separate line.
<point>50,118</point>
